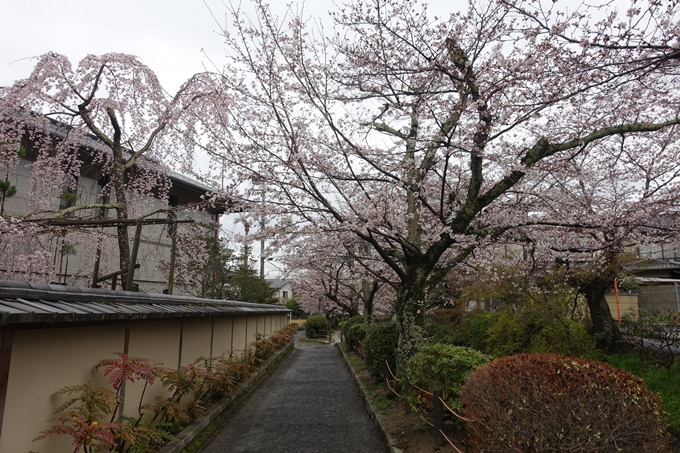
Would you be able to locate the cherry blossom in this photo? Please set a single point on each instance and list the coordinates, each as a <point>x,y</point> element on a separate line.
<point>424,137</point>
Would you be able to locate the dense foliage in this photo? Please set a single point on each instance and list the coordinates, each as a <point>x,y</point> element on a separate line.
<point>443,367</point>
<point>535,327</point>
<point>295,308</point>
<point>346,325</point>
<point>355,337</point>
<point>550,402</point>
<point>381,343</point>
<point>317,326</point>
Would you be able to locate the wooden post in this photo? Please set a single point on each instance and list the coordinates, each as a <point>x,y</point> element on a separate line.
<point>95,273</point>
<point>173,249</point>
<point>438,413</point>
<point>133,257</point>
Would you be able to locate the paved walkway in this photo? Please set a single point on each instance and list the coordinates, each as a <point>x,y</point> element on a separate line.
<point>309,405</point>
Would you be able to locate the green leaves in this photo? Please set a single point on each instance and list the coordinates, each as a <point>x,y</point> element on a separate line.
<point>443,367</point>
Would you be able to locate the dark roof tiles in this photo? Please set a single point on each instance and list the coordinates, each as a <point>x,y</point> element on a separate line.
<point>30,303</point>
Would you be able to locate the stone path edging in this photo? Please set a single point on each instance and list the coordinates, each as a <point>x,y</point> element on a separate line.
<point>221,410</point>
<point>371,409</point>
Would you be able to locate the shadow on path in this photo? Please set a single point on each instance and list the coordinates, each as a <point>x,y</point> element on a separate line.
<point>309,405</point>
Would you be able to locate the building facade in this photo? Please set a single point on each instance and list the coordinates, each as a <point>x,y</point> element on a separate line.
<point>85,242</point>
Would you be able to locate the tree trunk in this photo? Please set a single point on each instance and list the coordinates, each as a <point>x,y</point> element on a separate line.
<point>605,329</point>
<point>121,213</point>
<point>410,318</point>
<point>368,291</point>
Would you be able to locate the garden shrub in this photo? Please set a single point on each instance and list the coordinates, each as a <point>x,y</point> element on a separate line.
<point>537,328</point>
<point>443,367</point>
<point>317,326</point>
<point>551,402</point>
<point>267,347</point>
<point>355,336</point>
<point>381,342</point>
<point>470,332</point>
<point>354,320</point>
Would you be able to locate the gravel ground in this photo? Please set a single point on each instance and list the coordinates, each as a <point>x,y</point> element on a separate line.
<point>309,405</point>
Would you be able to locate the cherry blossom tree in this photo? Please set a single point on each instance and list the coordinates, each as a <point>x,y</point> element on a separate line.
<point>111,107</point>
<point>332,273</point>
<point>588,217</point>
<point>414,133</point>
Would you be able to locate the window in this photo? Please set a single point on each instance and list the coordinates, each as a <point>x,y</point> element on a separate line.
<point>285,294</point>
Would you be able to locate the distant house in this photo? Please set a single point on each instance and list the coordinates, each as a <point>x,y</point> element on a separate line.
<point>77,250</point>
<point>658,284</point>
<point>283,289</point>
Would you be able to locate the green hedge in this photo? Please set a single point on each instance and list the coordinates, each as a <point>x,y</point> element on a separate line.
<point>316,326</point>
<point>355,336</point>
<point>443,367</point>
<point>381,342</point>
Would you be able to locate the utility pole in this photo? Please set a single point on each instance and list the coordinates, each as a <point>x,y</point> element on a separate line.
<point>259,184</point>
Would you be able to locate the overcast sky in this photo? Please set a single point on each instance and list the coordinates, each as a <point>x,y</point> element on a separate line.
<point>169,36</point>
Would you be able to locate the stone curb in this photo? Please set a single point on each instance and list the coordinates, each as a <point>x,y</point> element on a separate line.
<point>221,410</point>
<point>385,437</point>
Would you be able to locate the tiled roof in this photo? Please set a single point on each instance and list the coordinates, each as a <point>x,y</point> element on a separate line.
<point>31,303</point>
<point>61,131</point>
<point>276,283</point>
<point>653,265</point>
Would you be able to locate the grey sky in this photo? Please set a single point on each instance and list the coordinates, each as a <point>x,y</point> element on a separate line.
<point>167,35</point>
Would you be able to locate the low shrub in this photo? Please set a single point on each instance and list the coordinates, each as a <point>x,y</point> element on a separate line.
<point>443,367</point>
<point>316,326</point>
<point>381,342</point>
<point>354,320</point>
<point>355,337</point>
<point>537,328</point>
<point>470,332</point>
<point>266,347</point>
<point>549,402</point>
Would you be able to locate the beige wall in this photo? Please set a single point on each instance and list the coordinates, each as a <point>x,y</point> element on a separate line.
<point>222,337</point>
<point>46,360</point>
<point>239,344</point>
<point>196,339</point>
<point>628,304</point>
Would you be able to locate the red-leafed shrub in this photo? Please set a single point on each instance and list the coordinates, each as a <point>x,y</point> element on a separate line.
<point>90,415</point>
<point>549,402</point>
<point>267,347</point>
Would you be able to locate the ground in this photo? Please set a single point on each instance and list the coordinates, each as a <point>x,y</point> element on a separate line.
<point>410,432</point>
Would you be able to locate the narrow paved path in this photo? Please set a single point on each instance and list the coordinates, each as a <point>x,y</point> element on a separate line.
<point>309,405</point>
